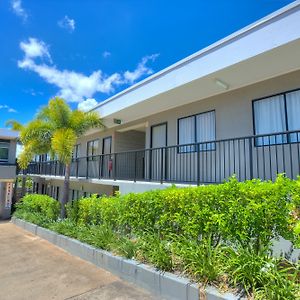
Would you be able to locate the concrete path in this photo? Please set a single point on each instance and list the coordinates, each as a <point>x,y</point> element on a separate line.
<point>32,268</point>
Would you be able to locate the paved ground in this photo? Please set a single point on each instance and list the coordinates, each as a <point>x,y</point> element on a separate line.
<point>32,268</point>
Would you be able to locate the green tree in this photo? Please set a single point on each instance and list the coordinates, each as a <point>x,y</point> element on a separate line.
<point>55,130</point>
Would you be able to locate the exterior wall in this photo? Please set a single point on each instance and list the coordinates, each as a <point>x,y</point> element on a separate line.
<point>234,118</point>
<point>233,109</point>
<point>129,165</point>
<point>12,152</point>
<point>98,135</point>
<point>7,172</point>
<point>4,211</point>
<point>129,140</point>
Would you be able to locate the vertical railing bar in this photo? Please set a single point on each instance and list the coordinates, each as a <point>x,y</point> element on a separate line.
<point>298,153</point>
<point>283,156</point>
<point>270,158</point>
<point>198,164</point>
<point>251,157</point>
<point>276,155</point>
<point>290,150</point>
<point>135,157</point>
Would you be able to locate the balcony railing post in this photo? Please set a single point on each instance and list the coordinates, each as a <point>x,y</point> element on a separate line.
<point>135,165</point>
<point>77,165</point>
<point>250,140</point>
<point>87,168</point>
<point>161,165</point>
<point>198,164</point>
<point>150,164</point>
<point>100,167</point>
<point>114,166</point>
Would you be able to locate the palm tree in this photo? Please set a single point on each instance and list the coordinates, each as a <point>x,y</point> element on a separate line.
<point>55,130</point>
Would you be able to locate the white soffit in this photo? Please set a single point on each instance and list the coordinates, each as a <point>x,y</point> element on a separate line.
<point>265,49</point>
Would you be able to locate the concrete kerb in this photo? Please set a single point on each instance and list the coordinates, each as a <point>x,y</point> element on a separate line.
<point>164,284</point>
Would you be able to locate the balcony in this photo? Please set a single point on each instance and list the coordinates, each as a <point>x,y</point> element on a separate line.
<point>260,156</point>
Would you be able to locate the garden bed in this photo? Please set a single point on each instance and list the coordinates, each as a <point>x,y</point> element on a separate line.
<point>218,235</point>
<point>163,284</point>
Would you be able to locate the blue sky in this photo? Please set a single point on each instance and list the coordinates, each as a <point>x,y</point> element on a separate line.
<point>86,51</point>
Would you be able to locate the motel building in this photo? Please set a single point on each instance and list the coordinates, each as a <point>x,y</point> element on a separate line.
<point>8,145</point>
<point>231,108</point>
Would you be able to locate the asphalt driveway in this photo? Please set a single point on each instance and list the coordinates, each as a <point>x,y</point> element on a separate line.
<point>32,268</point>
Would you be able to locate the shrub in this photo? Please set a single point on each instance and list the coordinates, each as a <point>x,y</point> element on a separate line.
<point>40,207</point>
<point>251,213</point>
<point>214,233</point>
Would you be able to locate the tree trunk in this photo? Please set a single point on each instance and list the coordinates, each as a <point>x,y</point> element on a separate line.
<point>65,196</point>
<point>23,191</point>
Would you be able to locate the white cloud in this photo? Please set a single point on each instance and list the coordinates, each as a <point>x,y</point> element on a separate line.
<point>35,48</point>
<point>74,86</point>
<point>87,104</point>
<point>141,69</point>
<point>7,108</point>
<point>67,23</point>
<point>33,92</point>
<point>106,54</point>
<point>17,8</point>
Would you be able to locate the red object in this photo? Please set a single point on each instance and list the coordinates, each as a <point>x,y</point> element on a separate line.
<point>110,165</point>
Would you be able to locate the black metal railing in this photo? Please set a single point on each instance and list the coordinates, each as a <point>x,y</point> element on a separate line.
<point>260,156</point>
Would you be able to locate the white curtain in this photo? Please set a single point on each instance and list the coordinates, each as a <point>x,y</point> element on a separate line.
<point>107,146</point>
<point>293,112</point>
<point>186,133</point>
<point>206,130</point>
<point>269,117</point>
<point>159,135</point>
<point>90,148</point>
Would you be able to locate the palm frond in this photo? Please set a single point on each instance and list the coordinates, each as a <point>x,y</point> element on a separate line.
<point>25,156</point>
<point>58,113</point>
<point>82,122</point>
<point>15,125</point>
<point>62,144</point>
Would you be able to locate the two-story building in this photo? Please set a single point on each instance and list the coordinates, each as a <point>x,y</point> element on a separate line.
<point>8,146</point>
<point>231,108</point>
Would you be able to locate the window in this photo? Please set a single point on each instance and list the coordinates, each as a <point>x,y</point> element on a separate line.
<point>93,148</point>
<point>4,149</point>
<point>200,129</point>
<point>159,135</point>
<point>293,113</point>
<point>106,146</point>
<point>76,151</point>
<point>277,114</point>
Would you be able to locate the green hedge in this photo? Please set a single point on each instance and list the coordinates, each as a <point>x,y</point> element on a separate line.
<point>219,234</point>
<point>251,213</point>
<point>39,209</point>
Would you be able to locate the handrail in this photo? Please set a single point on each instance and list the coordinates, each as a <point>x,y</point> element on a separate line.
<point>211,161</point>
<point>188,145</point>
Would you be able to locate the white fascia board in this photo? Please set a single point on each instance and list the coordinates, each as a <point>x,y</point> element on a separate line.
<point>8,134</point>
<point>269,33</point>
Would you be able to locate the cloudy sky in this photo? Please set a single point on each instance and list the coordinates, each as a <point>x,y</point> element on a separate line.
<point>86,51</point>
